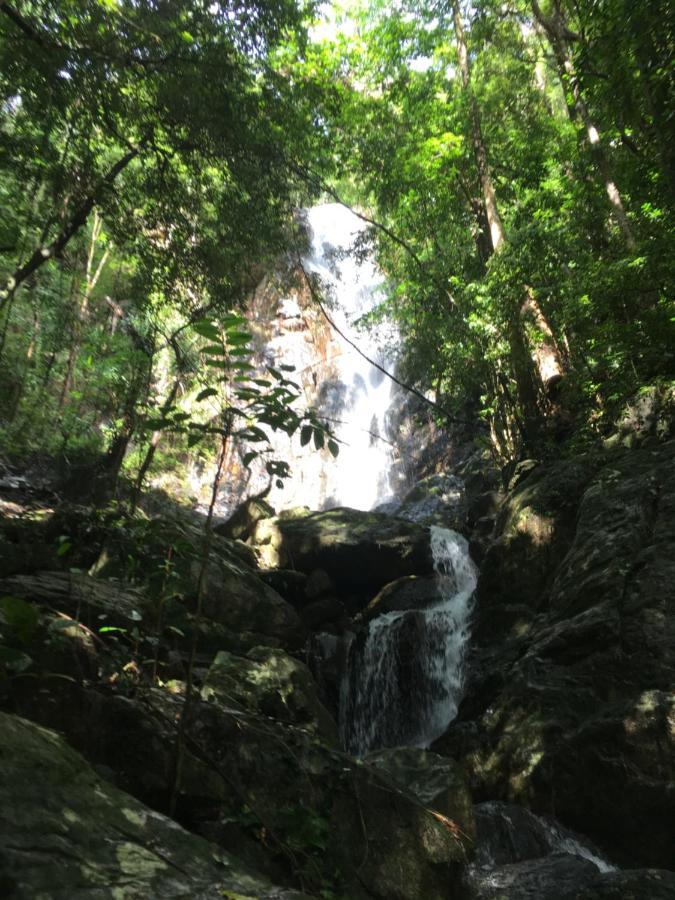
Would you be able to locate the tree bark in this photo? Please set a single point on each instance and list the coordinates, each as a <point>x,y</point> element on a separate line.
<point>558,35</point>
<point>479,150</point>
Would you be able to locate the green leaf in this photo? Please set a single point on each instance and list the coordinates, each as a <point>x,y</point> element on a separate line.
<point>21,617</point>
<point>306,435</point>
<point>318,438</point>
<point>207,392</point>
<point>239,337</point>
<point>249,457</point>
<point>333,448</point>
<point>206,329</point>
<point>213,350</point>
<point>65,545</point>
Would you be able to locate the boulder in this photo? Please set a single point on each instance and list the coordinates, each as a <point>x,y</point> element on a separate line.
<point>273,791</point>
<point>360,551</point>
<point>535,529</point>
<point>328,613</point>
<point>550,878</point>
<point>409,592</point>
<point>436,781</point>
<point>235,597</point>
<point>507,833</point>
<point>243,520</point>
<point>270,682</point>
<point>632,884</point>
<point>65,832</point>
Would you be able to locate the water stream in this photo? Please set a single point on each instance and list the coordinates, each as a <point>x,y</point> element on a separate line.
<point>403,680</point>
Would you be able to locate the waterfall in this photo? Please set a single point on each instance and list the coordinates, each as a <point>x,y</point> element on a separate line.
<point>352,395</point>
<point>404,675</point>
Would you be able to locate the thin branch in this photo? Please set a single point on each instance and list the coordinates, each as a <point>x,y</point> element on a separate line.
<point>305,173</point>
<point>406,387</point>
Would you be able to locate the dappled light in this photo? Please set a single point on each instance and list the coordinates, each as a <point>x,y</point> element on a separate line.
<point>337,450</point>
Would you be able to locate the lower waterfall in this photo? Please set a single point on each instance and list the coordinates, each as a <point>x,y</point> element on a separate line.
<point>404,674</point>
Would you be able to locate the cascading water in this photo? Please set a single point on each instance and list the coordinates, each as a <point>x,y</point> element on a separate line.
<point>352,395</point>
<point>404,674</point>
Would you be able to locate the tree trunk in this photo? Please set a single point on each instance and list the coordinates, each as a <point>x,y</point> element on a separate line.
<point>154,443</point>
<point>520,357</point>
<point>558,35</point>
<point>91,278</point>
<point>76,221</point>
<point>479,150</point>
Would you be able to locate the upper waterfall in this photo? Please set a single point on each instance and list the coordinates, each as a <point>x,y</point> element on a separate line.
<point>352,395</point>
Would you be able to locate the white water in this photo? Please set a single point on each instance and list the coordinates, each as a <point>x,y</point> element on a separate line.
<point>348,391</point>
<point>503,840</point>
<point>404,678</point>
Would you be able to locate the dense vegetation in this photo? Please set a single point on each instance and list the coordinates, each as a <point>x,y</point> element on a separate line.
<point>516,159</point>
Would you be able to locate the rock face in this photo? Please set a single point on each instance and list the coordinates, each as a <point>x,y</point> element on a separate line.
<point>435,500</point>
<point>360,551</point>
<point>270,682</point>
<point>568,706</point>
<point>66,833</point>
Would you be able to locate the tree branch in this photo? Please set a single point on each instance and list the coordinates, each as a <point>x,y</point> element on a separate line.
<point>77,220</point>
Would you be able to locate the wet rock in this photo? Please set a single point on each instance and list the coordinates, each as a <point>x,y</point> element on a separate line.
<point>435,500</point>
<point>65,832</point>
<point>551,878</point>
<point>410,592</point>
<point>633,884</point>
<point>360,551</point>
<point>273,683</point>
<point>436,781</point>
<point>243,520</point>
<point>567,706</point>
<point>507,833</point>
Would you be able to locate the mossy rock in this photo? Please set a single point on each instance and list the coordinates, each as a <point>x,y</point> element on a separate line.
<point>65,833</point>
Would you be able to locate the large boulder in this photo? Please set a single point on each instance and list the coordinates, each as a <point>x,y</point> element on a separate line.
<point>236,598</point>
<point>282,800</point>
<point>360,551</point>
<point>67,833</point>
